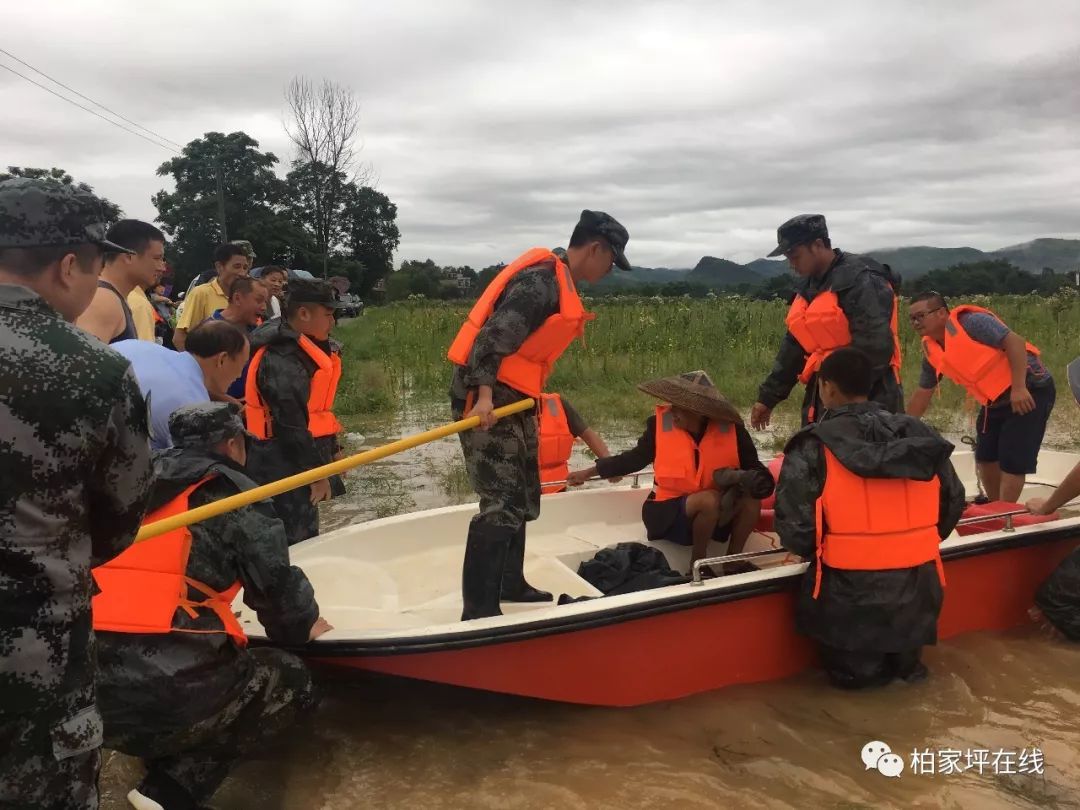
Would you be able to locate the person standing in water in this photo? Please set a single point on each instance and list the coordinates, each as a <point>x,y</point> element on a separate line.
<point>867,496</point>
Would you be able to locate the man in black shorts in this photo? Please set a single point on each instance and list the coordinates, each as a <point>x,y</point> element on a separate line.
<point>972,346</point>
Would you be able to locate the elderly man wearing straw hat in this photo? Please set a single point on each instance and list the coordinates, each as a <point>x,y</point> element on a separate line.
<point>708,480</point>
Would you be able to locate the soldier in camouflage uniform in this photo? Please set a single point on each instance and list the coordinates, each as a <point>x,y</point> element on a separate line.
<point>283,378</point>
<point>192,702</point>
<point>866,293</point>
<point>75,472</point>
<point>870,625</point>
<point>501,456</point>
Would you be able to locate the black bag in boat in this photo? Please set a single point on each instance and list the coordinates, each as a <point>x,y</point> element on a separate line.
<point>627,568</point>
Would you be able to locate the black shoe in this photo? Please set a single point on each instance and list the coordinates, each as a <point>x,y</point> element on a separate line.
<point>514,586</point>
<point>482,572</point>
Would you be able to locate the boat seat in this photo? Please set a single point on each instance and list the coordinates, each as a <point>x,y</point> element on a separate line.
<point>997,524</point>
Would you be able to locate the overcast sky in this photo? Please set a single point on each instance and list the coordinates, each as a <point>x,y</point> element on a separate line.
<point>701,126</point>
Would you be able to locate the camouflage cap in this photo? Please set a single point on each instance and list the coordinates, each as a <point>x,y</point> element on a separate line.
<point>312,291</point>
<point>46,213</point>
<point>205,424</point>
<point>798,231</point>
<point>245,246</point>
<point>597,223</point>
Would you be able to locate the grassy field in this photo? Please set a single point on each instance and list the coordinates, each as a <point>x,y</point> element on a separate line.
<point>399,351</point>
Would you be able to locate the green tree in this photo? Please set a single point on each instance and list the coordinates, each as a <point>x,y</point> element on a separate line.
<point>997,276</point>
<point>254,203</point>
<point>485,276</point>
<point>111,209</point>
<point>371,234</point>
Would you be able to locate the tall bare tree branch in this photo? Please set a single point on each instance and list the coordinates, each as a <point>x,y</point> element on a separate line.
<point>323,127</point>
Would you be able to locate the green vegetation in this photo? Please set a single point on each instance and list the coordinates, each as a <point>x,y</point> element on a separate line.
<point>399,351</point>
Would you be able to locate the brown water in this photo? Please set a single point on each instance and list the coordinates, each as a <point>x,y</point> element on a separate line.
<point>387,743</point>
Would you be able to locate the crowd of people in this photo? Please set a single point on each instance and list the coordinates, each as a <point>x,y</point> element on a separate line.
<point>112,422</point>
<point>874,589</point>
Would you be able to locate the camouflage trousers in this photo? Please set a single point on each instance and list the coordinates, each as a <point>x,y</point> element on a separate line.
<point>299,515</point>
<point>51,760</point>
<point>504,471</point>
<point>186,766</point>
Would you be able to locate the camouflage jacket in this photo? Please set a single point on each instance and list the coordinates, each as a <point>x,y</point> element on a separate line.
<point>885,611</point>
<point>246,545</point>
<point>531,297</point>
<point>75,474</point>
<point>866,291</point>
<point>284,382</point>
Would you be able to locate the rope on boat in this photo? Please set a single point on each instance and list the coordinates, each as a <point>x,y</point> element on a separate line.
<point>318,473</point>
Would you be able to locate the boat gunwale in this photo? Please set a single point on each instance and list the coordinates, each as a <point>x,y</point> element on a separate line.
<point>1022,537</point>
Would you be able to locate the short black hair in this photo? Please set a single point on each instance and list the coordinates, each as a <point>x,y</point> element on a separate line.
<point>225,252</point>
<point>931,297</point>
<point>133,234</point>
<point>850,370</point>
<point>28,262</point>
<point>214,337</point>
<point>240,284</point>
<point>582,236</point>
<point>273,268</point>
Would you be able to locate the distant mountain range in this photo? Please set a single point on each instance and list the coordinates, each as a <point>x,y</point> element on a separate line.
<point>1063,255</point>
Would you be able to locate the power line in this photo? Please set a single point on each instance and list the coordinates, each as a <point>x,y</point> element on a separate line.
<point>87,98</point>
<point>87,109</point>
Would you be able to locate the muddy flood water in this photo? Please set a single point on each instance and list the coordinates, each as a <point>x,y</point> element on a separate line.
<point>377,742</point>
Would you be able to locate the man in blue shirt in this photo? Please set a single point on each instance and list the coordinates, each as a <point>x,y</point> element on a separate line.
<point>1002,372</point>
<point>247,302</point>
<point>214,355</point>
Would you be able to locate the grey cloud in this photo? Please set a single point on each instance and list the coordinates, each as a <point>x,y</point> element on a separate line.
<point>700,125</point>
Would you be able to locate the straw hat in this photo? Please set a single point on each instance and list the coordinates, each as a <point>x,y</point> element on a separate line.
<point>1073,371</point>
<point>695,392</point>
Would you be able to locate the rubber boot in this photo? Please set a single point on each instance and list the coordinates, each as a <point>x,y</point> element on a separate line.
<point>482,572</point>
<point>514,586</point>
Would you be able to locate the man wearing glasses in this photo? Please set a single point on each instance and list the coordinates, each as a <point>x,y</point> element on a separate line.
<point>842,300</point>
<point>972,347</point>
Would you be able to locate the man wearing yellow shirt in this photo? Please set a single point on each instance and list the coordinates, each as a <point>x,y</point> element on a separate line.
<point>230,262</point>
<point>142,311</point>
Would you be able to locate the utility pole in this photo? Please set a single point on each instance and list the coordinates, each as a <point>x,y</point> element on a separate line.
<point>221,203</point>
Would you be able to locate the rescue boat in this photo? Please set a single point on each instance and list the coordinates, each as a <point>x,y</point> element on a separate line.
<point>391,588</point>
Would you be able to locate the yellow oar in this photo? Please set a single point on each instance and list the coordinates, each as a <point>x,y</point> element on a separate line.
<point>317,474</point>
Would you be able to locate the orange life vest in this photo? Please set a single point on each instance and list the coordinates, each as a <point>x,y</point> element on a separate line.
<point>875,524</point>
<point>320,404</point>
<point>143,587</point>
<point>983,370</point>
<point>821,327</point>
<point>527,369</point>
<point>682,466</point>
<point>555,442</point>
